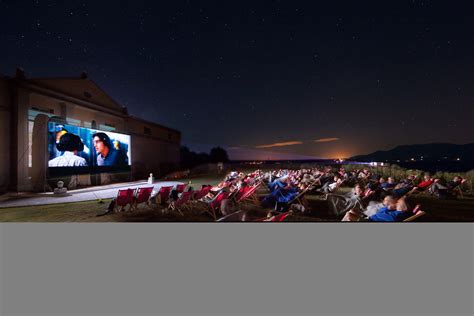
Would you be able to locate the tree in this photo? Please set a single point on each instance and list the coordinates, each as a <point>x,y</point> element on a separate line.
<point>218,154</point>
<point>187,157</point>
<point>191,159</point>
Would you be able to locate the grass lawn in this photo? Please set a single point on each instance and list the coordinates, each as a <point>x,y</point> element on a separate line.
<point>64,212</point>
<point>461,210</point>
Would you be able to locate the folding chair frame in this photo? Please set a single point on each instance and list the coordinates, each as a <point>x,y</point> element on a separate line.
<point>413,217</point>
<point>134,205</point>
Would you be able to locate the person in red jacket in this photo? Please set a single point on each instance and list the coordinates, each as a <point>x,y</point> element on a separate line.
<point>425,184</point>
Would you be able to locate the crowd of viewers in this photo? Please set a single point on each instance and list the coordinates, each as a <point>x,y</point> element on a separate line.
<point>371,197</point>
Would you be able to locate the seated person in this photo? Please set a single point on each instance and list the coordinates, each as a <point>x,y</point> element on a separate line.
<point>372,192</point>
<point>278,183</point>
<point>284,197</point>
<point>341,203</point>
<point>281,191</point>
<point>374,206</point>
<point>425,184</point>
<point>389,184</point>
<point>331,187</point>
<point>401,189</point>
<point>386,214</point>
<point>232,176</point>
<point>327,184</point>
<point>214,192</point>
<point>388,202</point>
<point>448,190</point>
<point>409,181</point>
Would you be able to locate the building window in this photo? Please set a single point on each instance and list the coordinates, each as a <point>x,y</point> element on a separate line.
<point>107,127</point>
<point>72,121</point>
<point>146,131</point>
<point>33,112</point>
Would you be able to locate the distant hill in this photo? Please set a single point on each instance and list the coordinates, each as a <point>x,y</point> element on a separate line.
<point>422,152</point>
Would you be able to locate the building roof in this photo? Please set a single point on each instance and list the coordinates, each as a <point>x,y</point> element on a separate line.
<point>153,123</point>
<point>81,88</point>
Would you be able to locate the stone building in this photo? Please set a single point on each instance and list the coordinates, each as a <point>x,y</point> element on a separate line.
<point>28,104</point>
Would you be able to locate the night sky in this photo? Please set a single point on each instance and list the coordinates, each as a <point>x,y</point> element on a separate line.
<point>316,78</point>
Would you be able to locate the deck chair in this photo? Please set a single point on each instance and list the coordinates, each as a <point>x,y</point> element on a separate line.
<point>163,195</point>
<point>465,188</point>
<point>247,193</point>
<point>275,218</point>
<point>198,195</point>
<point>124,198</point>
<point>300,195</point>
<point>181,202</point>
<point>202,193</point>
<point>458,192</point>
<point>216,203</point>
<point>338,186</point>
<point>415,216</point>
<point>237,197</point>
<point>335,190</point>
<point>424,191</point>
<point>357,217</point>
<point>468,191</point>
<point>180,187</point>
<point>142,195</point>
<point>231,215</point>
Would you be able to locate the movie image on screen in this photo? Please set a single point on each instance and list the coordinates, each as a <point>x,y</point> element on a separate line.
<point>86,149</point>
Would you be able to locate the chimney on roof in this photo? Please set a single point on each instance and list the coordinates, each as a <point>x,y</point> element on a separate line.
<point>20,73</point>
<point>84,75</point>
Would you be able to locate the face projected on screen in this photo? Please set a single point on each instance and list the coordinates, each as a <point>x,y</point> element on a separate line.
<point>107,155</point>
<point>101,147</point>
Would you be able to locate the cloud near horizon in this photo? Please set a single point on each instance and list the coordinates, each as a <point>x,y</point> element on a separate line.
<point>283,144</point>
<point>326,140</point>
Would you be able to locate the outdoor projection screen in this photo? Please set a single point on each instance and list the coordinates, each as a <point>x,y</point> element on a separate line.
<point>78,150</point>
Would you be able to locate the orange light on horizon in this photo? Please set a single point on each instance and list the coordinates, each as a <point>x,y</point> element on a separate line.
<point>283,144</point>
<point>338,156</point>
<point>326,140</point>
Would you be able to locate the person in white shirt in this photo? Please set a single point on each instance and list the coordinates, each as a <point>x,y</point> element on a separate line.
<point>70,144</point>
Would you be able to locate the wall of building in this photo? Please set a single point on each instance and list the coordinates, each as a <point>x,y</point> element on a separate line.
<point>139,126</point>
<point>5,115</point>
<point>154,148</point>
<point>73,111</point>
<point>151,155</point>
<point>79,88</point>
